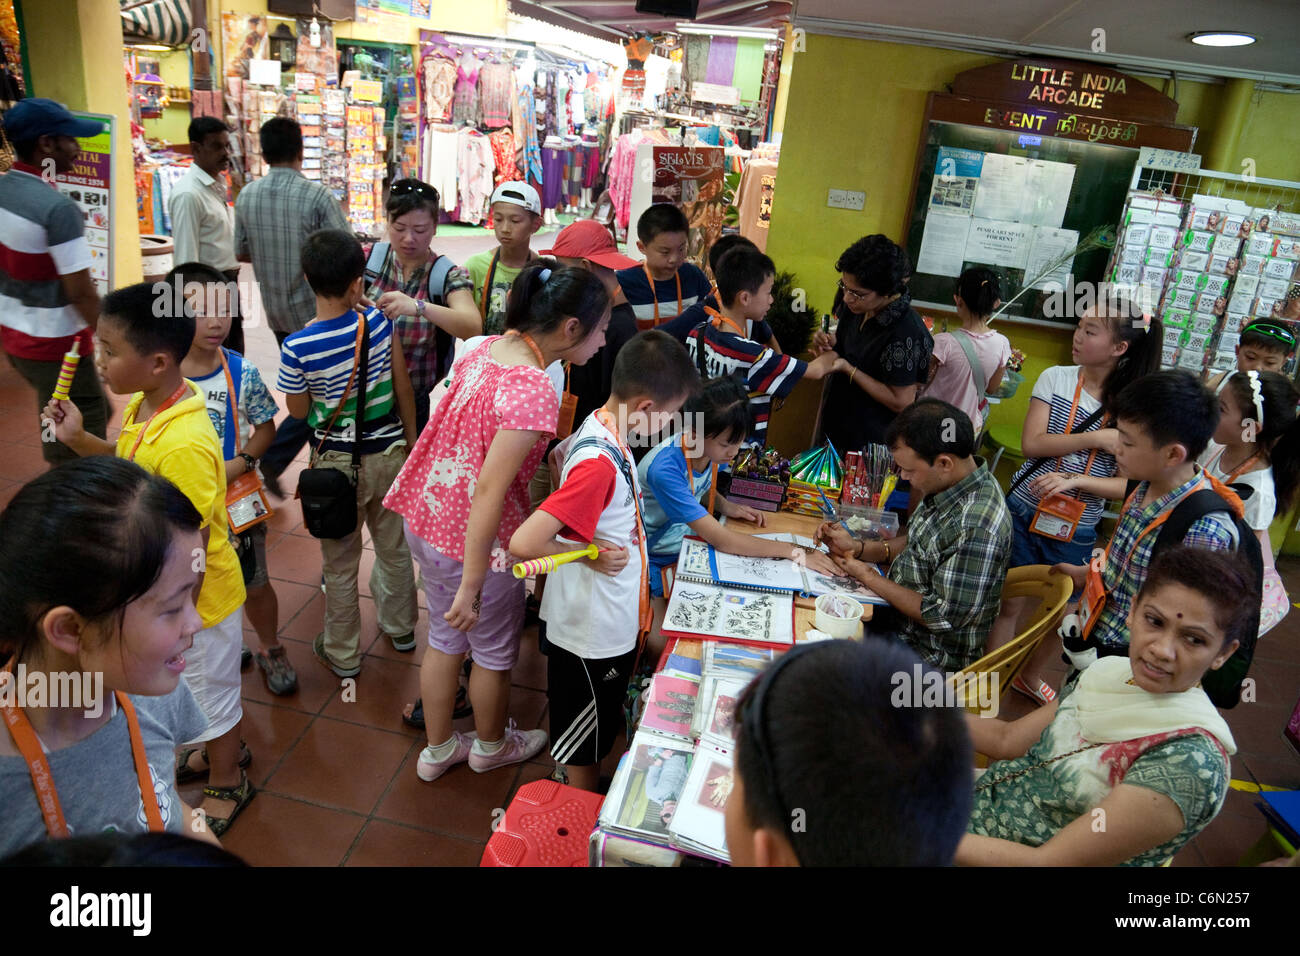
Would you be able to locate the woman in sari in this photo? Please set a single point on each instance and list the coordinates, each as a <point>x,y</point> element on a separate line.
<point>1131,762</point>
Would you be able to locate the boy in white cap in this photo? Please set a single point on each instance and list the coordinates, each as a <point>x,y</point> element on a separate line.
<point>516,216</point>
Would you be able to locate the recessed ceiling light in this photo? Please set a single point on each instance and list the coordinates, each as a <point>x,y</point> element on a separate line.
<point>1222,39</point>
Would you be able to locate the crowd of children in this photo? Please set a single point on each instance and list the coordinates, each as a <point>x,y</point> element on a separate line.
<point>529,454</point>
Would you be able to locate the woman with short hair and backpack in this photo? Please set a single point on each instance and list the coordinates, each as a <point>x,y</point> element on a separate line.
<point>429,298</point>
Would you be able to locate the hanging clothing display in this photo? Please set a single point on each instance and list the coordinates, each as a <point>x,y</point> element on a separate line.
<point>622,161</point>
<point>474,172</point>
<point>503,153</point>
<point>496,85</point>
<point>464,106</point>
<point>439,87</point>
<point>553,174</point>
<point>562,104</point>
<point>441,158</point>
<point>574,159</point>
<point>532,165</point>
<point>754,200</point>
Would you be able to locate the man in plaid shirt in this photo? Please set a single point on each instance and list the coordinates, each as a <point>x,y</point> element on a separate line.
<point>945,580</point>
<point>274,215</point>
<point>398,275</point>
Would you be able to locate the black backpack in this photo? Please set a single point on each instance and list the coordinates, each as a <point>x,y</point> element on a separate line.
<point>1223,685</point>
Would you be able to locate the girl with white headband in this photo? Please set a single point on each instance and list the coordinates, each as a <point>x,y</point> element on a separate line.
<point>1257,449</point>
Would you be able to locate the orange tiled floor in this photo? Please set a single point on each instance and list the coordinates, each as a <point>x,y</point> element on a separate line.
<point>337,779</point>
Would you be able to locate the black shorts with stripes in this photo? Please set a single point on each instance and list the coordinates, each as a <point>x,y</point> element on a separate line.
<point>587,696</point>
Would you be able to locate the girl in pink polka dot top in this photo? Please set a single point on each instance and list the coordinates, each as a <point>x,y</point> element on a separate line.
<point>464,491</point>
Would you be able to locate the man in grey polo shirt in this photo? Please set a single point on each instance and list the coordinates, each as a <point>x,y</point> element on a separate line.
<point>273,216</point>
<point>48,301</point>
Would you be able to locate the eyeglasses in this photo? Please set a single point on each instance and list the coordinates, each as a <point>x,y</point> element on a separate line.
<point>751,714</point>
<point>404,186</point>
<point>1281,333</point>
<point>853,294</point>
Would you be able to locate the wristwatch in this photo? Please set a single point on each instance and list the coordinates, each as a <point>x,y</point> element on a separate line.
<point>419,308</point>
<point>249,460</point>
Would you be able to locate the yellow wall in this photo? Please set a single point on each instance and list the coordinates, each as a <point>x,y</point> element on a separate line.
<point>75,56</point>
<point>173,126</point>
<point>854,118</point>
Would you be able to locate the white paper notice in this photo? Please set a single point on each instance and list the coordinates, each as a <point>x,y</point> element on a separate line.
<point>266,72</point>
<point>943,244</point>
<point>1047,193</point>
<point>1048,245</point>
<point>998,243</point>
<point>1002,187</point>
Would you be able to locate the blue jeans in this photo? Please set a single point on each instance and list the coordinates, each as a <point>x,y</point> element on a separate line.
<point>1030,548</point>
<point>290,436</point>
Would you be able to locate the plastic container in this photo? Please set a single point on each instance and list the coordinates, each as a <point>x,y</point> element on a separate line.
<point>869,524</point>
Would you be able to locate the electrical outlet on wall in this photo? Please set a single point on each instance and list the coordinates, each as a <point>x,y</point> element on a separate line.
<point>845,199</point>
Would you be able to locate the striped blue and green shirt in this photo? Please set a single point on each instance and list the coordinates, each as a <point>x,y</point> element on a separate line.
<point>319,360</point>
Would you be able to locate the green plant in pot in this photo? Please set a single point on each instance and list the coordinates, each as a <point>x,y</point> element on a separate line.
<point>791,317</point>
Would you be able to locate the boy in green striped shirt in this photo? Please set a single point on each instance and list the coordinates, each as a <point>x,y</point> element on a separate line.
<point>315,366</point>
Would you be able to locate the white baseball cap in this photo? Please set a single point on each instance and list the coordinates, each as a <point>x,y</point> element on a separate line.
<point>520,194</point>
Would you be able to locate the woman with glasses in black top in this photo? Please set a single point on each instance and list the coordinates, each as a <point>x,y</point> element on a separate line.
<point>885,347</point>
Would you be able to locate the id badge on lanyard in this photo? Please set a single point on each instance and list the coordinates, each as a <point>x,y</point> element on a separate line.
<point>1092,602</point>
<point>1058,517</point>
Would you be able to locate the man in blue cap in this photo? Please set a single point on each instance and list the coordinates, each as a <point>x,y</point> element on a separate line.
<point>48,301</point>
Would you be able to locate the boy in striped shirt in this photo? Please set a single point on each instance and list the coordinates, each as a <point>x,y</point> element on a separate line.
<point>745,294</point>
<point>315,365</point>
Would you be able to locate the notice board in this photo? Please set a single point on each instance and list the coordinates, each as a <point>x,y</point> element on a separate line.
<point>1022,162</point>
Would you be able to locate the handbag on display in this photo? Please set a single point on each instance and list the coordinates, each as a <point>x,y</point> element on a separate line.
<point>328,495</point>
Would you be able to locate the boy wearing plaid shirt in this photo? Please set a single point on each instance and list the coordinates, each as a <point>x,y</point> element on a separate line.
<point>1164,421</point>
<point>945,581</point>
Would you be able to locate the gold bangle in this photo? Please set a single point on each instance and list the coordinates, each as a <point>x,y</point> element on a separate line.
<point>886,544</point>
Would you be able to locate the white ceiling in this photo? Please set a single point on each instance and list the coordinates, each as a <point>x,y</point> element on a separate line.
<point>1139,33</point>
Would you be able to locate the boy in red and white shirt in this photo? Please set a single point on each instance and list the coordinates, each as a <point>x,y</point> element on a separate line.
<point>595,608</point>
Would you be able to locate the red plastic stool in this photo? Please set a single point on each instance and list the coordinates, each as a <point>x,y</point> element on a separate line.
<point>546,824</point>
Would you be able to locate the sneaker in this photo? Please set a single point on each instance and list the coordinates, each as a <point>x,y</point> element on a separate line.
<point>427,769</point>
<point>318,648</point>
<point>245,658</point>
<point>519,746</point>
<point>406,643</point>
<point>279,673</point>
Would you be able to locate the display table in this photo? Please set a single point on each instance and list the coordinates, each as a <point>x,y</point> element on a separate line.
<point>608,848</point>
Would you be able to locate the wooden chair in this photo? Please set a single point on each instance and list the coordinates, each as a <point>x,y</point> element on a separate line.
<point>1001,666</point>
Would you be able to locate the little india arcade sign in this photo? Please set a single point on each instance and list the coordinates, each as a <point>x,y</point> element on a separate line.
<point>1063,98</point>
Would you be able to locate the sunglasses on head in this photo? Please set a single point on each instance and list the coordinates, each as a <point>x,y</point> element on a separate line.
<point>404,186</point>
<point>1281,333</point>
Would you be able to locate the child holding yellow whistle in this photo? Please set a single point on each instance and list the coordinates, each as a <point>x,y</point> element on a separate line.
<point>596,608</point>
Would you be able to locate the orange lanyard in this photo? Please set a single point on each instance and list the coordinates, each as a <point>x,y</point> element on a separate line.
<point>175,397</point>
<point>230,394</point>
<point>690,477</point>
<point>24,737</point>
<point>1161,519</point>
<point>1069,424</point>
<point>528,340</point>
<point>485,301</point>
<point>1240,469</point>
<point>605,419</point>
<point>655,292</point>
<point>720,320</point>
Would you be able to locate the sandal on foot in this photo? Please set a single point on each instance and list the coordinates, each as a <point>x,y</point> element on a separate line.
<point>185,773</point>
<point>416,717</point>
<point>1042,694</point>
<point>242,796</point>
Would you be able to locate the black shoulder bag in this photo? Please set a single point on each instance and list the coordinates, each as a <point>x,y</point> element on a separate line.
<point>329,496</point>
